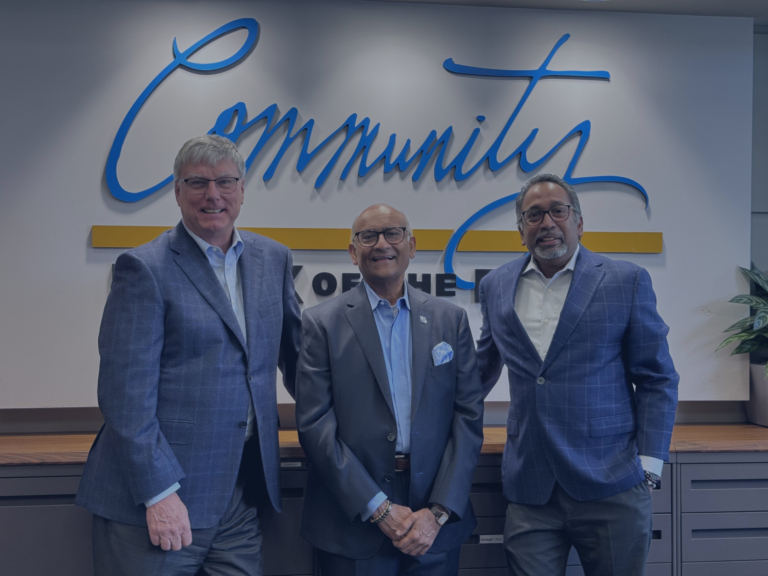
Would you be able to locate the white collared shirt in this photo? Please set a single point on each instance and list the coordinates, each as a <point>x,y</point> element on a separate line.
<point>539,301</point>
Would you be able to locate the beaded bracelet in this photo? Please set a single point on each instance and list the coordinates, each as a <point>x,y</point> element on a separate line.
<point>384,514</point>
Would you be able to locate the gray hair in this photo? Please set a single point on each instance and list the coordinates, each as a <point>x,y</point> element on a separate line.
<point>555,179</point>
<point>209,149</point>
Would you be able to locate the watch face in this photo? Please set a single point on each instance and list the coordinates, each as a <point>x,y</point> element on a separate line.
<point>442,519</point>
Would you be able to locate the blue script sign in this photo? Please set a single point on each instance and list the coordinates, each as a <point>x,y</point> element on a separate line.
<point>434,146</point>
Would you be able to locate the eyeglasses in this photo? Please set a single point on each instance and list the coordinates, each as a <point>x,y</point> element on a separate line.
<point>558,213</point>
<point>225,184</point>
<point>369,238</point>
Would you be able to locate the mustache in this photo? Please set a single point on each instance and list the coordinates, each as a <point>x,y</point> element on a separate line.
<point>550,234</point>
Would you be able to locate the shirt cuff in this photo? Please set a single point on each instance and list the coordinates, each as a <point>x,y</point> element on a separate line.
<point>163,494</point>
<point>651,464</point>
<point>373,505</point>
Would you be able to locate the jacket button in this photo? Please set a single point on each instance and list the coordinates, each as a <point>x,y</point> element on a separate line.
<point>540,380</point>
<point>388,478</point>
<point>242,424</point>
<point>391,436</point>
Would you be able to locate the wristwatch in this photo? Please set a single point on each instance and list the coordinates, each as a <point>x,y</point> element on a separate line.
<point>651,479</point>
<point>440,515</point>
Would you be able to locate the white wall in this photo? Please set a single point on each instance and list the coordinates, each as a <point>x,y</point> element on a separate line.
<point>760,155</point>
<point>676,116</point>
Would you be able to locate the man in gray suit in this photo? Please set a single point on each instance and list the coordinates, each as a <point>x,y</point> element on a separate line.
<point>193,331</point>
<point>389,410</point>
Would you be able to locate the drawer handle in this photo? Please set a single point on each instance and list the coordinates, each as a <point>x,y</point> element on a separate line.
<point>724,484</point>
<point>729,533</point>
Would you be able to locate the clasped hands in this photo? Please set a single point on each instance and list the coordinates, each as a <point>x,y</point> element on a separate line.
<point>411,532</point>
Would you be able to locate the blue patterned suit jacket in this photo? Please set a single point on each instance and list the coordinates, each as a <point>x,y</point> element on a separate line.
<point>574,417</point>
<point>176,377</point>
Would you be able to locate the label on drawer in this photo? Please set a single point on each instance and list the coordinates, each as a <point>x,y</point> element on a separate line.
<point>492,539</point>
<point>290,464</point>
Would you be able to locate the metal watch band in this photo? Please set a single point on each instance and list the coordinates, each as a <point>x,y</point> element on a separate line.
<point>651,479</point>
<point>440,516</point>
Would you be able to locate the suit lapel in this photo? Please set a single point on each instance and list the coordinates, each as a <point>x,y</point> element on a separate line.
<point>587,275</point>
<point>195,265</point>
<point>251,265</point>
<point>361,319</point>
<point>420,343</point>
<point>508,291</point>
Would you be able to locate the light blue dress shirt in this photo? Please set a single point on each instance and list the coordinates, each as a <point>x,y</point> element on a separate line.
<point>225,268</point>
<point>394,326</point>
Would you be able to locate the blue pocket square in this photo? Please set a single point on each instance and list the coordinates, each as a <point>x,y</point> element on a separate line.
<point>442,353</point>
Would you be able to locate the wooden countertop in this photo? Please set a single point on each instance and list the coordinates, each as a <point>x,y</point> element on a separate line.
<point>73,448</point>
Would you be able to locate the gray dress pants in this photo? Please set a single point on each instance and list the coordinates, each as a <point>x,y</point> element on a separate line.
<point>611,535</point>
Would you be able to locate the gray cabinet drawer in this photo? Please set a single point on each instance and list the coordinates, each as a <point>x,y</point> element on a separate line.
<point>488,503</point>
<point>490,526</point>
<point>747,568</point>
<point>42,486</point>
<point>724,537</point>
<point>45,540</point>
<point>650,570</point>
<point>662,495</point>
<point>725,487</point>
<point>661,542</point>
<point>477,555</point>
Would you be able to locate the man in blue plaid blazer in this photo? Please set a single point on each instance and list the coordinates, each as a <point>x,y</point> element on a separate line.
<point>593,393</point>
<point>194,329</point>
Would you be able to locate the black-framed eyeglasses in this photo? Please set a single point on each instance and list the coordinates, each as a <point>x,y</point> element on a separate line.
<point>225,184</point>
<point>369,238</point>
<point>558,213</point>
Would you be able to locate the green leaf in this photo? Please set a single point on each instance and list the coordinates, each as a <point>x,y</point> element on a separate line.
<point>741,324</point>
<point>752,301</point>
<point>748,346</point>
<point>757,276</point>
<point>761,320</point>
<point>748,335</point>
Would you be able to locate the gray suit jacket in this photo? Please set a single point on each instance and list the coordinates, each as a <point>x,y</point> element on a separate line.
<point>176,377</point>
<point>347,426</point>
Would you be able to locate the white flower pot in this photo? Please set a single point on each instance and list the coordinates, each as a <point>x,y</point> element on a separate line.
<point>757,405</point>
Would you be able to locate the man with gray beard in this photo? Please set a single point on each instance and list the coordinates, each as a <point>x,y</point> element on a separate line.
<point>593,393</point>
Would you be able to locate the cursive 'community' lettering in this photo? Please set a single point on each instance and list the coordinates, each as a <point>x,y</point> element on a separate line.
<point>233,123</point>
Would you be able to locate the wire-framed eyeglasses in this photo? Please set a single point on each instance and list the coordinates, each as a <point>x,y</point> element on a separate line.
<point>225,184</point>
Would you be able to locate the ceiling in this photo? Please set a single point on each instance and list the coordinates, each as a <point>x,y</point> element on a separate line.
<point>756,9</point>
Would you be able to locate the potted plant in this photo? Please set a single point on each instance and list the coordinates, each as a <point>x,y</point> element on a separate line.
<point>752,336</point>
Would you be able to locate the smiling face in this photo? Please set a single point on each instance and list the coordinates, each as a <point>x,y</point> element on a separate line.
<point>551,243</point>
<point>382,265</point>
<point>210,215</point>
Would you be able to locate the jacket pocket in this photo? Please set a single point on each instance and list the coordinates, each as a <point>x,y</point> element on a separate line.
<point>513,426</point>
<point>610,425</point>
<point>177,431</point>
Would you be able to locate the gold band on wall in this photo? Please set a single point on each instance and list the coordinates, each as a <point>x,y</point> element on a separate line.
<point>338,239</point>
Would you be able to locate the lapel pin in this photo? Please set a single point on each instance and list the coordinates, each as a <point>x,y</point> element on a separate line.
<point>423,319</point>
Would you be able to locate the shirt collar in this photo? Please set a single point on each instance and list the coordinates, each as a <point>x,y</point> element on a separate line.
<point>533,266</point>
<point>375,299</point>
<point>237,242</point>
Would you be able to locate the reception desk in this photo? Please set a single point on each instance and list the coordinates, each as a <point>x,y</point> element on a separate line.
<point>710,508</point>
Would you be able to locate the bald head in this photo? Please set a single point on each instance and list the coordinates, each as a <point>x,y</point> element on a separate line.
<point>383,263</point>
<point>376,212</point>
